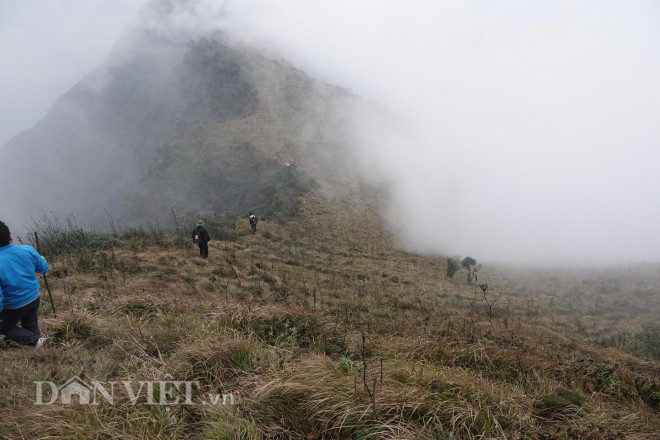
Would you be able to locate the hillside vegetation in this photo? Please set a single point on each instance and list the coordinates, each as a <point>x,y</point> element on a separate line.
<point>320,328</point>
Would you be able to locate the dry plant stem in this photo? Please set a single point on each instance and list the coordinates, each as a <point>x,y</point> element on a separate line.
<point>370,391</point>
<point>50,295</point>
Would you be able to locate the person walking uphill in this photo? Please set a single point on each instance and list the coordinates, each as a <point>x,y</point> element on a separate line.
<point>19,290</point>
<point>201,237</point>
<point>253,222</point>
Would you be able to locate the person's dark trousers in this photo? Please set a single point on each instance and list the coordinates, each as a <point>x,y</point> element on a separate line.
<point>203,249</point>
<point>254,228</point>
<point>28,333</point>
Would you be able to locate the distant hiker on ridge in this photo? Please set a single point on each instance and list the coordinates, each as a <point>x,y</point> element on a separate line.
<point>201,237</point>
<point>19,290</point>
<point>253,222</point>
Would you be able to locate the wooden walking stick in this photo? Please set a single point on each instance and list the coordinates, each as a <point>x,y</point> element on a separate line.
<point>50,295</point>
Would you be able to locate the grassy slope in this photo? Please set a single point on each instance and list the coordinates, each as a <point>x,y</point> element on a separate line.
<point>286,320</point>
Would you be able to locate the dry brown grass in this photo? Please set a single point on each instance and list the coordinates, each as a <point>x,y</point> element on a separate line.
<point>279,318</point>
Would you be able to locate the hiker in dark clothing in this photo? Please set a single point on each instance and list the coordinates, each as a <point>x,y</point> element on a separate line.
<point>253,222</point>
<point>201,237</point>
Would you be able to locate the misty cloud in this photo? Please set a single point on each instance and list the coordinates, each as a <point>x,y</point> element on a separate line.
<point>48,46</point>
<point>529,129</point>
<point>534,134</point>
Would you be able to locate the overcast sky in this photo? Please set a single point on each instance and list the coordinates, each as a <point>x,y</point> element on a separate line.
<point>46,46</point>
<point>536,124</point>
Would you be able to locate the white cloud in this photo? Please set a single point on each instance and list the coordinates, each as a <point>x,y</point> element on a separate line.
<point>47,46</point>
<point>535,123</point>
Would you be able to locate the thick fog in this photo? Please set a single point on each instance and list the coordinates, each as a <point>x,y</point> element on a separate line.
<point>47,46</point>
<point>531,128</point>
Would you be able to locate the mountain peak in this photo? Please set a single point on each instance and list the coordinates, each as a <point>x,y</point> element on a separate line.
<point>200,124</point>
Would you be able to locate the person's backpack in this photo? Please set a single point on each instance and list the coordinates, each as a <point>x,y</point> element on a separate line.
<point>253,220</point>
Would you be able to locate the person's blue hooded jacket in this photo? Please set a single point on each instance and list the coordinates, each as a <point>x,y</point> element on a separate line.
<point>18,284</point>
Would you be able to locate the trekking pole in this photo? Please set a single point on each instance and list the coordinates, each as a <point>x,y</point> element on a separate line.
<point>50,295</point>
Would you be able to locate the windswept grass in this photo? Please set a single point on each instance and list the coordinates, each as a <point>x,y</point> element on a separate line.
<point>319,328</point>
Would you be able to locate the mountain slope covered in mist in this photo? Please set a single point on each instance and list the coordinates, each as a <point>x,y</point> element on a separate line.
<point>204,126</point>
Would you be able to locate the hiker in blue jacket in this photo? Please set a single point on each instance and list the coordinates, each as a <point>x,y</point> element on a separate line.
<point>19,290</point>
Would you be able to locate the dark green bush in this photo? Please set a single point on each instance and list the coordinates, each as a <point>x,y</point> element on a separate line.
<point>452,267</point>
<point>302,331</point>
